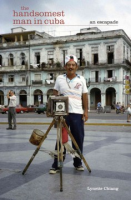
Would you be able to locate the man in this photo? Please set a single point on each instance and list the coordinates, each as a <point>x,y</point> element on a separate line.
<point>128,112</point>
<point>73,86</point>
<point>11,112</point>
<point>98,104</point>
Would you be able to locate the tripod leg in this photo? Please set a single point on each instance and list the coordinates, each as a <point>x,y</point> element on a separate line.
<point>38,148</point>
<point>61,158</point>
<point>60,151</point>
<point>77,147</point>
<point>30,161</point>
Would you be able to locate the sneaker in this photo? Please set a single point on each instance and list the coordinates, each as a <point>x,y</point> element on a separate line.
<point>14,128</point>
<point>54,170</point>
<point>80,168</point>
<point>9,128</point>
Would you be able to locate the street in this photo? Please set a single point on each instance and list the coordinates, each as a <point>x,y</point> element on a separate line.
<point>92,115</point>
<point>106,150</point>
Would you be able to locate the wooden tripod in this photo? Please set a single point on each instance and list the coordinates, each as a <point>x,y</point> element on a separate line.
<point>60,122</point>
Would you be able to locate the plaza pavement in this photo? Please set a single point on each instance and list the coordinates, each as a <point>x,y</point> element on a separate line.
<point>107,150</point>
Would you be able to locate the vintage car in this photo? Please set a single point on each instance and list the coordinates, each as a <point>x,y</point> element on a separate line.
<point>41,108</point>
<point>19,109</point>
<point>31,108</point>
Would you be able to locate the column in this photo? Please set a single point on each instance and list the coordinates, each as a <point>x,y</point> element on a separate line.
<point>15,38</point>
<point>103,98</point>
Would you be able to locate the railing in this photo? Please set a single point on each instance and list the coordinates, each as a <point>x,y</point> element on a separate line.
<point>35,82</point>
<point>94,80</point>
<point>10,84</point>
<point>1,84</point>
<point>11,68</point>
<point>105,62</point>
<point>49,82</point>
<point>8,44</point>
<point>111,79</point>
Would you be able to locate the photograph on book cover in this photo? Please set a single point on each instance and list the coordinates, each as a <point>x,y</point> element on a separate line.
<point>35,38</point>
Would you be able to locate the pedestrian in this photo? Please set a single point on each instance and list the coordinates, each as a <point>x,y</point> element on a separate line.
<point>128,112</point>
<point>74,87</point>
<point>11,112</point>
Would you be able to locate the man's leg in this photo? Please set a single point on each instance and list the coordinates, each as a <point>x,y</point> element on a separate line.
<point>13,112</point>
<point>9,118</point>
<point>77,130</point>
<point>128,117</point>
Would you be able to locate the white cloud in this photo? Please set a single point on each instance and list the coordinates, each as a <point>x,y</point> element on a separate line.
<point>77,12</point>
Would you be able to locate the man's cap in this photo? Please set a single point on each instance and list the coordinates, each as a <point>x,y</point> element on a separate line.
<point>70,58</point>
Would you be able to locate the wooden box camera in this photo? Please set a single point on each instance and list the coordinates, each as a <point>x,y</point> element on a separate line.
<point>57,106</point>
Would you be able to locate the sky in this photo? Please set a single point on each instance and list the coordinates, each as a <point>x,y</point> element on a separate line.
<point>73,14</point>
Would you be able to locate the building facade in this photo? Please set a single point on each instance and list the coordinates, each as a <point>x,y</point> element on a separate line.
<point>30,62</point>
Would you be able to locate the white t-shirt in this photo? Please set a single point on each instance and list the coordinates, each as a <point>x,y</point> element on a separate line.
<point>12,102</point>
<point>129,110</point>
<point>73,89</point>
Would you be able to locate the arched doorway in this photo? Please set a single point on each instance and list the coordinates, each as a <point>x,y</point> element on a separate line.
<point>49,93</point>
<point>38,97</point>
<point>111,97</point>
<point>23,98</point>
<point>1,97</point>
<point>95,97</point>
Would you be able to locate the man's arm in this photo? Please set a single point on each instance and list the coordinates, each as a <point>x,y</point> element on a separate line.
<point>85,106</point>
<point>8,95</point>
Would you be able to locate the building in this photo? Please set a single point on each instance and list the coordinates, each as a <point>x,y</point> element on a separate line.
<point>30,61</point>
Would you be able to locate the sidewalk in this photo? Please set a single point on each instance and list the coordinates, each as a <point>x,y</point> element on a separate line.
<point>47,121</point>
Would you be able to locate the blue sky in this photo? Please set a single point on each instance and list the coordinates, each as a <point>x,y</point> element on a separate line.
<point>78,14</point>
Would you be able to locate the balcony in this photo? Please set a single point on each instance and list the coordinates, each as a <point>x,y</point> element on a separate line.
<point>12,44</point>
<point>111,79</point>
<point>35,82</point>
<point>10,84</point>
<point>20,83</point>
<point>94,80</point>
<point>49,82</point>
<point>13,68</point>
<point>1,84</point>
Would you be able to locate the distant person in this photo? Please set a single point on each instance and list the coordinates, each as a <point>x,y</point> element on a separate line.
<point>98,104</point>
<point>128,112</point>
<point>123,109</point>
<point>11,112</point>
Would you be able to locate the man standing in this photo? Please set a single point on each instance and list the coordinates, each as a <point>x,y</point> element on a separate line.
<point>11,112</point>
<point>128,112</point>
<point>73,86</point>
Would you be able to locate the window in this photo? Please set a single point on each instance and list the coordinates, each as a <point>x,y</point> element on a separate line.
<point>0,60</point>
<point>22,58</point>
<point>50,57</point>
<point>94,51</point>
<point>95,76</point>
<point>110,73</point>
<point>64,53</point>
<point>11,78</point>
<point>37,58</point>
<point>37,77</point>
<point>23,78</point>
<point>79,56</point>
<point>11,59</point>
<point>51,76</point>
<point>1,78</point>
<point>110,54</point>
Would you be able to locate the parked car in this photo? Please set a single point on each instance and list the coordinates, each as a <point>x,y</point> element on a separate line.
<point>19,109</point>
<point>41,108</point>
<point>31,108</point>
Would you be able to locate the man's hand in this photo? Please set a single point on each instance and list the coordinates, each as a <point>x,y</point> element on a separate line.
<point>85,116</point>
